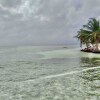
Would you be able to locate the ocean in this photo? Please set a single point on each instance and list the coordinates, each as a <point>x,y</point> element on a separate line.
<point>48,73</point>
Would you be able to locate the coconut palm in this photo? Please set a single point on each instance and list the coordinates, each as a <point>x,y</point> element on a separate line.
<point>96,38</point>
<point>93,26</point>
<point>90,34</point>
<point>84,37</point>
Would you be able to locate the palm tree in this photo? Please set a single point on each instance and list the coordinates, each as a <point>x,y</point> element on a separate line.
<point>84,37</point>
<point>93,26</point>
<point>90,33</point>
<point>96,38</point>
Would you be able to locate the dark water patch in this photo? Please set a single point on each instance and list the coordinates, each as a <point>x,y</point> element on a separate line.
<point>26,63</point>
<point>1,67</point>
<point>89,62</point>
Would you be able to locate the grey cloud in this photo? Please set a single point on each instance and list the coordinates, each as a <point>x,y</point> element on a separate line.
<point>44,21</point>
<point>10,3</point>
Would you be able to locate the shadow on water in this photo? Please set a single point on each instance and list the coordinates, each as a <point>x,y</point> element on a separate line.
<point>90,79</point>
<point>89,62</point>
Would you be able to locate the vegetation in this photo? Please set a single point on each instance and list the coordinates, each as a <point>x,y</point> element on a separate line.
<point>90,34</point>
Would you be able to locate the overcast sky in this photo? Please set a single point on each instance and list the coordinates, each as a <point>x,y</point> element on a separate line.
<point>44,21</point>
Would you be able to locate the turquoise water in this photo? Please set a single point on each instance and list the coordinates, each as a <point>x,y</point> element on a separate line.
<point>48,73</point>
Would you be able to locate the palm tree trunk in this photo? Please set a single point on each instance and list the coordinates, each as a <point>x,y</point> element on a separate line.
<point>97,48</point>
<point>87,44</point>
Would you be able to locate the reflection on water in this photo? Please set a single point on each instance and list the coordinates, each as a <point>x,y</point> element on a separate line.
<point>89,62</point>
<point>48,73</point>
<point>91,78</point>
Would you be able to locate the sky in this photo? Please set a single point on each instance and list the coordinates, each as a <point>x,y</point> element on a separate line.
<point>44,22</point>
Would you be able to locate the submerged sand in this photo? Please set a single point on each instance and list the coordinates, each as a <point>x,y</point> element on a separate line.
<point>49,73</point>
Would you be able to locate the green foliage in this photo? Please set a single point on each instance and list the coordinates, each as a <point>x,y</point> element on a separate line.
<point>90,33</point>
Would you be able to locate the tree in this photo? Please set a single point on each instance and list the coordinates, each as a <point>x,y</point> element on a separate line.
<point>84,37</point>
<point>90,33</point>
<point>93,26</point>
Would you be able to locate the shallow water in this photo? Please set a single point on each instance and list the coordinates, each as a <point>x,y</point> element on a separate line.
<point>48,73</point>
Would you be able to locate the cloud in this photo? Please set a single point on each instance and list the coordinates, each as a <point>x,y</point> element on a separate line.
<point>44,21</point>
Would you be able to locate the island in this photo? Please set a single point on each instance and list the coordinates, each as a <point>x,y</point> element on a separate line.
<point>89,35</point>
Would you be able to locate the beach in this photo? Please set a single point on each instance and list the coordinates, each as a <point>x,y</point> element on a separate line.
<point>48,73</point>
